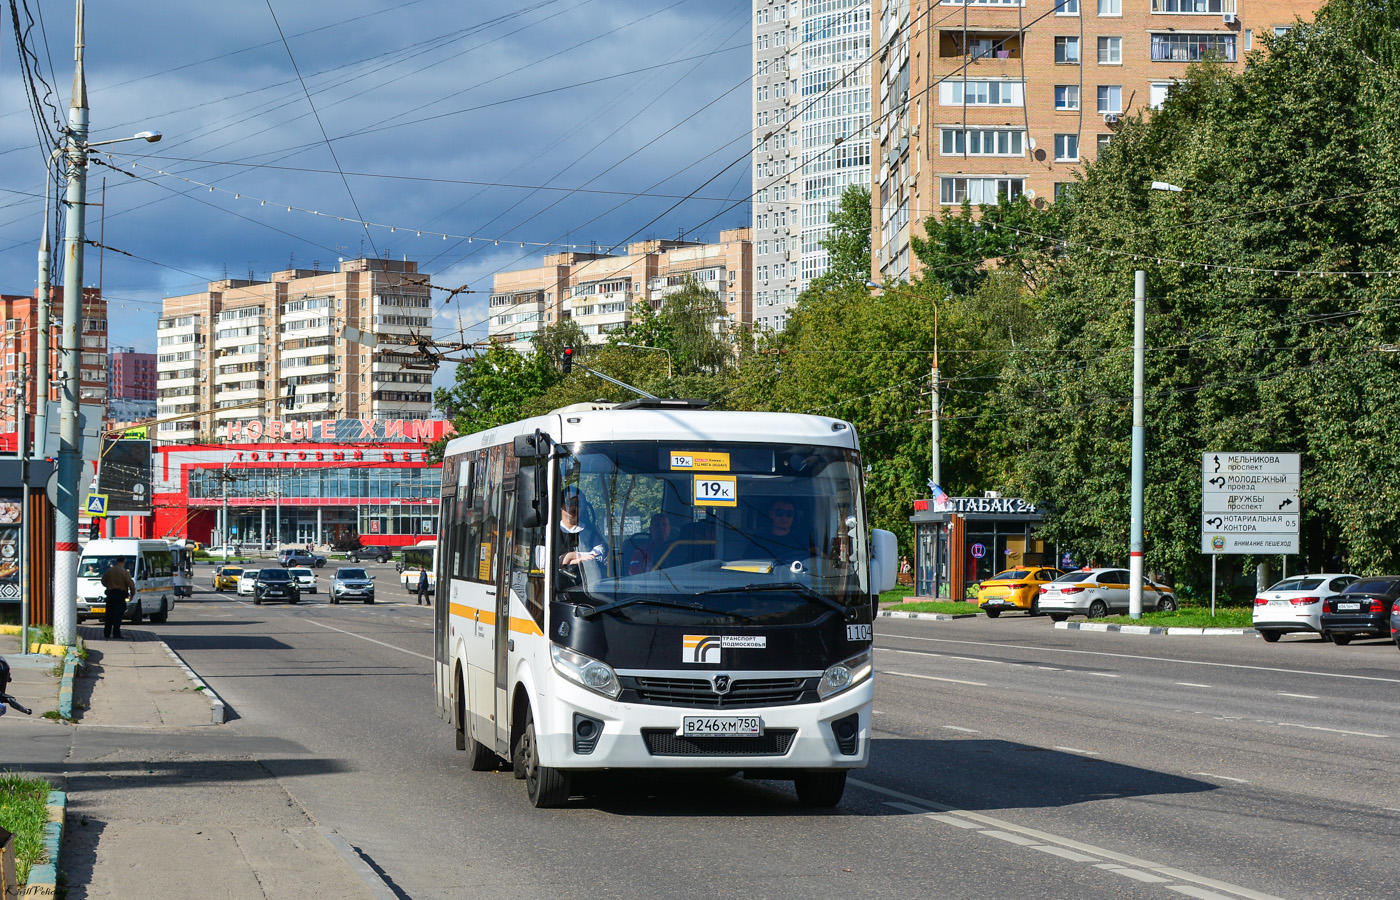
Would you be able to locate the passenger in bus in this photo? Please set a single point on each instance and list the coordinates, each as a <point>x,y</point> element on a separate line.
<point>580,540</point>
<point>778,538</point>
<point>650,554</point>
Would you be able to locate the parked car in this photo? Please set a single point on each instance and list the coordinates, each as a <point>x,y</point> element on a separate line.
<point>226,577</point>
<point>378,554</point>
<point>275,584</point>
<point>1015,589</point>
<point>304,577</point>
<point>1094,592</point>
<point>1294,605</point>
<point>289,558</point>
<point>352,584</point>
<point>246,579</point>
<point>1362,609</point>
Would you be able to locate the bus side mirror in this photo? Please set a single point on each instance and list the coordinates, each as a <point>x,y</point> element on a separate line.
<point>529,446</point>
<point>884,561</point>
<point>528,495</point>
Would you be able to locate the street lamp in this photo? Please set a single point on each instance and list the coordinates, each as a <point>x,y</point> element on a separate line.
<point>66,548</point>
<point>669,371</point>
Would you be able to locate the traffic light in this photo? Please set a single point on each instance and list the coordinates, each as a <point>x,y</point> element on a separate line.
<point>94,530</point>
<point>568,360</point>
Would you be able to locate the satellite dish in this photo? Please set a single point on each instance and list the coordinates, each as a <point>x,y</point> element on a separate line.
<point>1029,193</point>
<point>1031,142</point>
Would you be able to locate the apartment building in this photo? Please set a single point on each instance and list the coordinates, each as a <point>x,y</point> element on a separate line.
<point>20,315</point>
<point>232,355</point>
<point>811,138</point>
<point>976,99</point>
<point>132,375</point>
<point>599,291</point>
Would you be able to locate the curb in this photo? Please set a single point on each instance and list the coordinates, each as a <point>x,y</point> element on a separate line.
<point>35,647</point>
<point>367,873</point>
<point>1152,629</point>
<point>933,617</point>
<point>218,712</point>
<point>65,687</point>
<point>43,878</point>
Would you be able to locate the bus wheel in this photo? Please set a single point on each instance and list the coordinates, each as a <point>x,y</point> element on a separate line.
<point>163,614</point>
<point>135,613</point>
<point>820,788</point>
<point>546,787</point>
<point>479,758</point>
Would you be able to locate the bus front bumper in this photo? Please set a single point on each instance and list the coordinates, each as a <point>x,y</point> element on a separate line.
<point>643,736</point>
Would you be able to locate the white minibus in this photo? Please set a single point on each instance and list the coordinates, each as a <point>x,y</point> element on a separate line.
<point>150,565</point>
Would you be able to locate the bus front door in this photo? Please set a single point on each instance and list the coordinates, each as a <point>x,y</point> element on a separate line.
<point>504,642</point>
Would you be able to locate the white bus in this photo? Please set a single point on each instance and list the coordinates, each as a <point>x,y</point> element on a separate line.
<point>655,586</point>
<point>423,553</point>
<point>182,558</point>
<point>150,565</point>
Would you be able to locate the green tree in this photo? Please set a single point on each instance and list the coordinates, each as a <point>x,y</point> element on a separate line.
<point>847,243</point>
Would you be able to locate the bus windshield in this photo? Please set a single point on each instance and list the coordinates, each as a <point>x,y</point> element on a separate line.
<point>693,534</point>
<point>96,566</point>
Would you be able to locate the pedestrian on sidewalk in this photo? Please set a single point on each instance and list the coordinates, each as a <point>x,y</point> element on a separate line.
<point>423,597</point>
<point>117,582</point>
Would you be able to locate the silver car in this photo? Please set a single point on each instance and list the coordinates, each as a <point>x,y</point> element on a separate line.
<point>1295,604</point>
<point>1094,592</point>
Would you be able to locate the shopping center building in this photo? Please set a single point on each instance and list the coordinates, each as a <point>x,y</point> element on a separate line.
<point>299,483</point>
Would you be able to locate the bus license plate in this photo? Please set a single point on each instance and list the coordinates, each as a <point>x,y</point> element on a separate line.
<point>721,726</point>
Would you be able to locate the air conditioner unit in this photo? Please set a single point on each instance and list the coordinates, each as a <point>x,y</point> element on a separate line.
<point>1110,118</point>
<point>1228,18</point>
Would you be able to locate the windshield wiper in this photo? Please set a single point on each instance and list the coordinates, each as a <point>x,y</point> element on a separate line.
<point>584,609</point>
<point>802,589</point>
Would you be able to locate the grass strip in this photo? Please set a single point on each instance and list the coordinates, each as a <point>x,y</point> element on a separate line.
<point>1191,617</point>
<point>948,607</point>
<point>23,812</point>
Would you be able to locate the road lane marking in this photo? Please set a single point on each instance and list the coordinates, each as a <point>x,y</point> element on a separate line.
<point>1333,730</point>
<point>1196,892</point>
<point>965,730</point>
<point>1101,674</point>
<point>1047,838</point>
<point>912,675</point>
<point>1165,659</point>
<point>952,820</point>
<point>1054,851</point>
<point>1192,684</point>
<point>1048,668</point>
<point>370,639</point>
<point>1223,777</point>
<point>1009,837</point>
<point>1131,873</point>
<point>995,662</point>
<point>1299,696</point>
<point>1077,750</point>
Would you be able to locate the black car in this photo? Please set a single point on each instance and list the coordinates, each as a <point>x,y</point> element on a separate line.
<point>352,584</point>
<point>1362,609</point>
<point>289,558</point>
<point>275,584</point>
<point>378,554</point>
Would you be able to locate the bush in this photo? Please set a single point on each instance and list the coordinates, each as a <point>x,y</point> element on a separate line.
<point>346,543</point>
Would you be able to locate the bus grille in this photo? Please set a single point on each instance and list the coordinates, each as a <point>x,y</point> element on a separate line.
<point>743,693</point>
<point>665,742</point>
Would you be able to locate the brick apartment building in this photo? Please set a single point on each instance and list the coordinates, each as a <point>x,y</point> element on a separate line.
<point>979,98</point>
<point>133,375</point>
<point>598,290</point>
<point>20,316</point>
<point>229,356</point>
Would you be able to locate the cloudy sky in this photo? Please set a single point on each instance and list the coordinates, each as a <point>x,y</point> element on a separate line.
<point>541,121</point>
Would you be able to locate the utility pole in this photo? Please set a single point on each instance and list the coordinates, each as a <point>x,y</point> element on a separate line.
<point>1139,441</point>
<point>41,380</point>
<point>223,532</point>
<point>70,433</point>
<point>25,558</point>
<point>937,474</point>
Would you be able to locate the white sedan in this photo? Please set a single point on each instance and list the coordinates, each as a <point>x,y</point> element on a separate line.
<point>1094,592</point>
<point>1295,604</point>
<point>304,577</point>
<point>246,582</point>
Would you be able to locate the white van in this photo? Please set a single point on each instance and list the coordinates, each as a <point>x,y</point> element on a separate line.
<point>150,565</point>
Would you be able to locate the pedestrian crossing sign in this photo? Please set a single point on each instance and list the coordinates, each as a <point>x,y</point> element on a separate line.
<point>97,504</point>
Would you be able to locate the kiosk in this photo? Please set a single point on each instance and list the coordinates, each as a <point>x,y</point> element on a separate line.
<point>959,541</point>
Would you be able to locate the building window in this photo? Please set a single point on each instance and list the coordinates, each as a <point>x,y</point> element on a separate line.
<point>1157,93</point>
<point>1193,7</point>
<point>1067,8</point>
<point>1110,7</point>
<point>982,142</point>
<point>981,93</point>
<point>1248,39</point>
<point>1066,96</point>
<point>1067,50</point>
<point>1066,148</point>
<point>1110,99</point>
<point>1192,47</point>
<point>1062,188</point>
<point>1110,51</point>
<point>1103,141</point>
<point>954,190</point>
<point>1281,30</point>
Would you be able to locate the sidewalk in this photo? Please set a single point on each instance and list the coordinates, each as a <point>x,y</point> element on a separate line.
<point>161,803</point>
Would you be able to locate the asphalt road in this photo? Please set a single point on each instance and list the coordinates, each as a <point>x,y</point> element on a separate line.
<point>1010,760</point>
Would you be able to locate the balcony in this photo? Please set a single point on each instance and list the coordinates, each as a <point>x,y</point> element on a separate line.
<point>980,46</point>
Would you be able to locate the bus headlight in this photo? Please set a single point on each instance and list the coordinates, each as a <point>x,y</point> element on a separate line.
<point>585,671</point>
<point>846,674</point>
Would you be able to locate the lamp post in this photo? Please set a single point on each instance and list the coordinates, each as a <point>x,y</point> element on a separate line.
<point>69,457</point>
<point>669,368</point>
